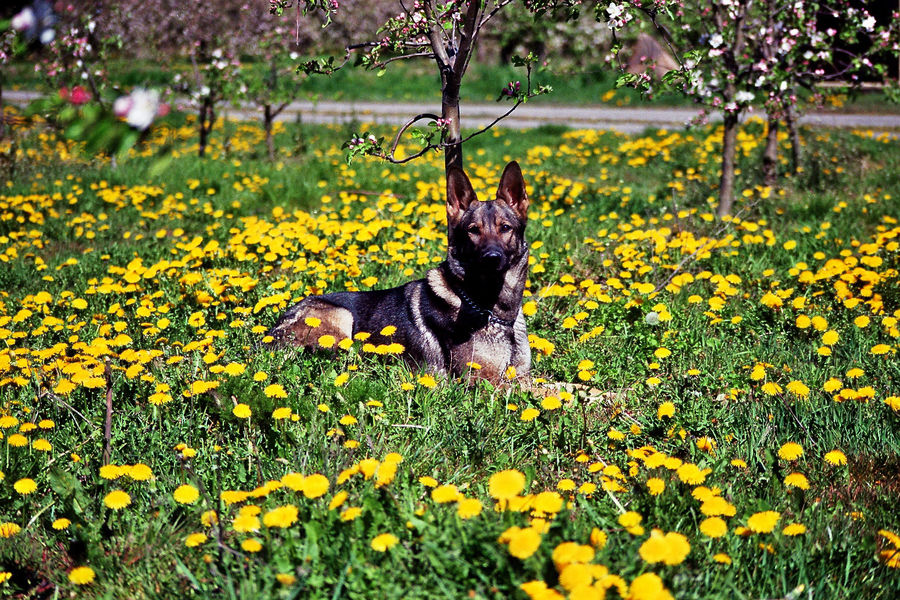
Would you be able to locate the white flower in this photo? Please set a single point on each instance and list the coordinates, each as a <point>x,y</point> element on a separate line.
<point>614,10</point>
<point>869,23</point>
<point>138,108</point>
<point>716,40</point>
<point>293,56</point>
<point>47,36</point>
<point>744,96</point>
<point>24,20</point>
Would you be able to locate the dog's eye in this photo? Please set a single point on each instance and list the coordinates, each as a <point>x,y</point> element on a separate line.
<point>473,229</point>
<point>505,228</point>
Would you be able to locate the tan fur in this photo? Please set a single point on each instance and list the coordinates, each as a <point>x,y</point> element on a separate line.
<point>334,321</point>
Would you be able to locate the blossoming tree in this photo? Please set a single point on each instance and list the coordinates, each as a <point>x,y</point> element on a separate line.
<point>447,32</point>
<point>753,51</point>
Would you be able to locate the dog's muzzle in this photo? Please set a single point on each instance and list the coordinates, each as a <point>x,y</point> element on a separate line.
<point>494,258</point>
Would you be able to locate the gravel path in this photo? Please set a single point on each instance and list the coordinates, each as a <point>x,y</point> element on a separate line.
<point>627,120</point>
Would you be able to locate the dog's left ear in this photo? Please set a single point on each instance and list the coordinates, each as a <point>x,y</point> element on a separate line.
<point>512,190</point>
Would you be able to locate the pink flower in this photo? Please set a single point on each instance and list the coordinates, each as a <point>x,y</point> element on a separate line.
<point>79,95</point>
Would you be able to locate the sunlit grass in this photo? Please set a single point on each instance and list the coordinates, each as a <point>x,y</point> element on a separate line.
<point>715,409</point>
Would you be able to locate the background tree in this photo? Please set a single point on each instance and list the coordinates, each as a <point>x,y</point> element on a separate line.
<point>751,52</point>
<point>447,33</point>
<point>270,81</point>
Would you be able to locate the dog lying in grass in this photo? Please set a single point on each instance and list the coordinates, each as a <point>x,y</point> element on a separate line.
<point>465,315</point>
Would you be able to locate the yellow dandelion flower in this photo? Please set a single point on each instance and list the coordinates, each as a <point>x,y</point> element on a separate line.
<point>275,390</point>
<point>830,338</point>
<point>282,516</point>
<point>879,349</point>
<point>670,548</point>
<point>195,539</point>
<point>315,485</point>
<point>524,543</point>
<point>25,486</point>
<point>186,494</point>
<point>286,578</point>
<point>242,411</point>
<point>9,529</point>
<point>82,575</point>
<point>798,388</point>
<point>551,403</point>
<point>427,381</point>
<point>281,413</point>
<point>797,480</point>
<point>529,414</point>
<point>468,508</point>
<point>835,457</point>
<point>691,474</point>
<point>506,484</point>
<point>444,494</point>
<point>794,529</point>
<point>666,409</point>
<point>61,523</point>
<point>763,522</point>
<point>656,486</point>
<point>722,558</point>
<point>713,527</point>
<point>790,451</point>
<point>771,388</point>
<point>251,545</point>
<point>17,440</point>
<point>384,542</point>
<point>117,499</point>
<point>350,513</point>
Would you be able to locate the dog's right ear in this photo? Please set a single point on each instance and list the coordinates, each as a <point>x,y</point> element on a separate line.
<point>460,194</point>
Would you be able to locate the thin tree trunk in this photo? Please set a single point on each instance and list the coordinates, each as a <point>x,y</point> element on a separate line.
<point>267,124</point>
<point>770,154</point>
<point>453,154</point>
<point>726,183</point>
<point>790,118</point>
<point>2,115</point>
<point>207,119</point>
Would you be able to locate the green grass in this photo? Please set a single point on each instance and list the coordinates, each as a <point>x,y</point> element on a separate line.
<point>192,262</point>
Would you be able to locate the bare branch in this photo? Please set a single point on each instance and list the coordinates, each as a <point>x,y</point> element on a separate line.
<point>396,142</point>
<point>404,57</point>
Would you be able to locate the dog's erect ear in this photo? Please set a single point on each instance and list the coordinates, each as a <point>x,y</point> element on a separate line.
<point>460,194</point>
<point>512,190</point>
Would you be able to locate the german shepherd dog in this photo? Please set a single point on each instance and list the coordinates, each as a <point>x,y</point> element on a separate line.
<point>465,315</point>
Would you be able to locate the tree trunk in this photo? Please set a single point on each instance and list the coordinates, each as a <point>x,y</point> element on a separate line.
<point>770,154</point>
<point>267,124</point>
<point>726,183</point>
<point>453,154</point>
<point>790,118</point>
<point>207,119</point>
<point>2,115</point>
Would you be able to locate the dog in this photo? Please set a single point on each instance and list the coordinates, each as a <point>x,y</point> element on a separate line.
<point>465,316</point>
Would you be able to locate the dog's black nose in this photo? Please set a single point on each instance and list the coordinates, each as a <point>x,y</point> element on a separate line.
<point>493,258</point>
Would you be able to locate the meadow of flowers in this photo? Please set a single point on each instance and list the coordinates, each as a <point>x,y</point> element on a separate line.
<point>715,413</point>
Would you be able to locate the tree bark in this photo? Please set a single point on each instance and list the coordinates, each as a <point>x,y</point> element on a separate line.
<point>453,154</point>
<point>267,123</point>
<point>207,119</point>
<point>770,154</point>
<point>726,182</point>
<point>790,118</point>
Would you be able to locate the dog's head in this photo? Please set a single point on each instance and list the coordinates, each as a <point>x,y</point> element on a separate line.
<point>488,234</point>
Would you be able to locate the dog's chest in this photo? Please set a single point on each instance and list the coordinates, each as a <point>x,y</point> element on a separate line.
<point>488,352</point>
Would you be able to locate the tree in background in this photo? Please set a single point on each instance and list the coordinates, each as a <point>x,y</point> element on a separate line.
<point>447,33</point>
<point>270,81</point>
<point>761,51</point>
